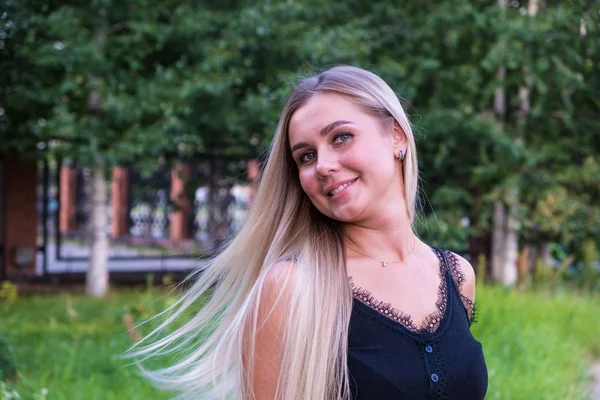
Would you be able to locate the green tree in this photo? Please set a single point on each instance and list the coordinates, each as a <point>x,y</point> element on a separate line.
<point>105,83</point>
<point>96,82</point>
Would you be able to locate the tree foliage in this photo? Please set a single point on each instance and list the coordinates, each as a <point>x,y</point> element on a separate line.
<point>136,81</point>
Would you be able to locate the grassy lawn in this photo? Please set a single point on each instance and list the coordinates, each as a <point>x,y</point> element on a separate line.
<point>538,346</point>
<point>69,346</point>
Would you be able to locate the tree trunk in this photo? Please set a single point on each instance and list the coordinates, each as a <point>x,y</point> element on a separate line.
<point>506,222</point>
<point>96,280</point>
<point>511,245</point>
<point>97,275</point>
<point>497,241</point>
<point>499,216</point>
<point>511,240</point>
<point>505,246</point>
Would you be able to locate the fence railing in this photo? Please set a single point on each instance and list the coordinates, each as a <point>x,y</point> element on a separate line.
<point>183,210</point>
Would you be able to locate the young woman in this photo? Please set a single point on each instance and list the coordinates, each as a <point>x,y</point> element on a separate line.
<point>327,293</point>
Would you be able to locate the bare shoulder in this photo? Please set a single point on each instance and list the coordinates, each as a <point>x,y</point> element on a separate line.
<point>267,329</point>
<point>279,273</point>
<point>276,284</point>
<point>274,291</point>
<point>468,284</point>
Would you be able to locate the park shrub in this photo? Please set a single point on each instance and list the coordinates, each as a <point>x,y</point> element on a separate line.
<point>8,292</point>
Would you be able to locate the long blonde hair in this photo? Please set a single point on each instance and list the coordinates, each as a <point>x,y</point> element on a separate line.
<point>282,225</point>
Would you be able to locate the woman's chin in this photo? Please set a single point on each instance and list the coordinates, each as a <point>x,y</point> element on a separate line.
<point>344,214</point>
<point>348,212</point>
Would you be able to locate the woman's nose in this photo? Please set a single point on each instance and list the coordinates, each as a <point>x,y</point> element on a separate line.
<point>327,162</point>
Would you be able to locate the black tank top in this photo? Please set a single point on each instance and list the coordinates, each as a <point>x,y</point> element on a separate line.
<point>389,357</point>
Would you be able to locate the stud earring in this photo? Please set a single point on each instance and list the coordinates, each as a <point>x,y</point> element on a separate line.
<point>401,153</point>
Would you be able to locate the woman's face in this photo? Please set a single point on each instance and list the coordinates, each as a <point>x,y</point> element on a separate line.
<point>347,162</point>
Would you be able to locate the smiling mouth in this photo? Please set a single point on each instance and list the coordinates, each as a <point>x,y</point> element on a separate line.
<point>340,188</point>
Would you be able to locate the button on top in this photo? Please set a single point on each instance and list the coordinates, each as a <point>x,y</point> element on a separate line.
<point>428,349</point>
<point>434,377</point>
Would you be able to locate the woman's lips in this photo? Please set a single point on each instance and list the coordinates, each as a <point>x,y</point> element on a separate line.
<point>342,191</point>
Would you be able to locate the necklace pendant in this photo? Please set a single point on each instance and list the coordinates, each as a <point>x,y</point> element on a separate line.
<point>383,264</point>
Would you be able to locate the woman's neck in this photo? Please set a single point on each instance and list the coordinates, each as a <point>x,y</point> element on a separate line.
<point>389,238</point>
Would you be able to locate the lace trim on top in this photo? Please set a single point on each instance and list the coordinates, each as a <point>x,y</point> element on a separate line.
<point>459,279</point>
<point>431,323</point>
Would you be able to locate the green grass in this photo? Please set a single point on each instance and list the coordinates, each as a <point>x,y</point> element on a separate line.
<point>537,345</point>
<point>75,356</point>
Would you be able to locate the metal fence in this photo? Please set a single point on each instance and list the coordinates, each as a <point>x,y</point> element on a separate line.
<point>217,192</point>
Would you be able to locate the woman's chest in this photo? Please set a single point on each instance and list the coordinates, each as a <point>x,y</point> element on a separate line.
<point>388,361</point>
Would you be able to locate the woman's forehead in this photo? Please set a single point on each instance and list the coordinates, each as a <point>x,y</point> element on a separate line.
<point>320,111</point>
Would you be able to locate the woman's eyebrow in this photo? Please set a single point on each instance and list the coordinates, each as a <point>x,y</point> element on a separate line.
<point>322,132</point>
<point>332,126</point>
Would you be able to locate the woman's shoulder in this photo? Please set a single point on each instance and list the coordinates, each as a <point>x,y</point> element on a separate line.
<point>459,267</point>
<point>274,288</point>
<point>280,272</point>
<point>463,274</point>
<point>265,331</point>
<point>276,281</point>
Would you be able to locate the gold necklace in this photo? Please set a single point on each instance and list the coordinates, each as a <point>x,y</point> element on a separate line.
<point>383,263</point>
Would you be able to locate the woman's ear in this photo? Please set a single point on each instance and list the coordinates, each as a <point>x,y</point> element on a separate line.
<point>398,138</point>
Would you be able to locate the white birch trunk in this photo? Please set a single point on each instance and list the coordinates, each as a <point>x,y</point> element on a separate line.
<point>97,274</point>
<point>499,215</point>
<point>96,280</point>
<point>509,273</point>
<point>505,238</point>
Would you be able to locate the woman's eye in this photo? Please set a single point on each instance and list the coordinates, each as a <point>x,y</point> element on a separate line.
<point>340,138</point>
<point>306,157</point>
<point>343,137</point>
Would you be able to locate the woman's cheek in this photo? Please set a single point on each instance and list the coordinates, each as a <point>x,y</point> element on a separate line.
<point>307,183</point>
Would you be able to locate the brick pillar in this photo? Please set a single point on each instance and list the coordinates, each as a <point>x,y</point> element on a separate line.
<point>179,226</point>
<point>253,171</point>
<point>21,216</point>
<point>67,199</point>
<point>119,189</point>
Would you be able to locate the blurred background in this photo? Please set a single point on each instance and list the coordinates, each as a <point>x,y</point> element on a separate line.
<point>132,136</point>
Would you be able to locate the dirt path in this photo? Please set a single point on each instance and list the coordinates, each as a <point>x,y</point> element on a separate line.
<point>595,388</point>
